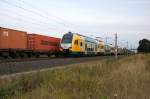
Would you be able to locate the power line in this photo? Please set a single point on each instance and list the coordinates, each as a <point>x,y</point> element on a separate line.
<point>46,12</point>
<point>27,22</point>
<point>33,12</point>
<point>41,15</point>
<point>56,17</point>
<point>30,18</point>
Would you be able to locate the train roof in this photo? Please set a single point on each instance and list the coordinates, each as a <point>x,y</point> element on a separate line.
<point>87,38</point>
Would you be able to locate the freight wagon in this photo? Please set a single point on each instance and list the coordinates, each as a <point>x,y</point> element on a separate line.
<point>13,43</point>
<point>43,44</point>
<point>19,44</point>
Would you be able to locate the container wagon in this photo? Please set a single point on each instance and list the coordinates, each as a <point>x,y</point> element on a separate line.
<point>41,44</point>
<point>13,43</point>
<point>19,44</point>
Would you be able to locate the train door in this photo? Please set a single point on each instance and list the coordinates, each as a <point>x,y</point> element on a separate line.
<point>82,44</point>
<point>85,49</point>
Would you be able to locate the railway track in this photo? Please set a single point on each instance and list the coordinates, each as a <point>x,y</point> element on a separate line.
<point>37,59</point>
<point>22,60</point>
<point>8,67</point>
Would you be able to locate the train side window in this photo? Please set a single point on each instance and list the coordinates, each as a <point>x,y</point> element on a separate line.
<point>76,42</point>
<point>102,47</point>
<point>95,47</point>
<point>81,44</point>
<point>85,46</point>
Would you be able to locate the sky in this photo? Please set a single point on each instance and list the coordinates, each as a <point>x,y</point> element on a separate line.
<point>130,19</point>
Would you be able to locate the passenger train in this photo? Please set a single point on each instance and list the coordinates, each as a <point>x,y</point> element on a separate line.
<point>80,45</point>
<point>76,44</point>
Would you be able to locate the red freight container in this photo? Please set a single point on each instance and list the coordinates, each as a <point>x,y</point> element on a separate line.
<point>12,39</point>
<point>43,44</point>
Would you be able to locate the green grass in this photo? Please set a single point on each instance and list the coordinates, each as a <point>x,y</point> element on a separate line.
<point>123,78</point>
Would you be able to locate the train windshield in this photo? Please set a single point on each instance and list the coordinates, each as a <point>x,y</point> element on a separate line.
<point>67,38</point>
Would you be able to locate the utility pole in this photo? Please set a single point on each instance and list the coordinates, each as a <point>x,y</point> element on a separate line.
<point>127,48</point>
<point>116,46</point>
<point>131,47</point>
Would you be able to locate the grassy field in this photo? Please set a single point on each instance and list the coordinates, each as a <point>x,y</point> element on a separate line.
<point>126,78</point>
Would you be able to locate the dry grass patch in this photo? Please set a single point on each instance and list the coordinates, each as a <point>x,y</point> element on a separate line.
<point>126,78</point>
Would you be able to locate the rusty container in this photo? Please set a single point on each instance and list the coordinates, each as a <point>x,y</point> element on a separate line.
<point>12,39</point>
<point>44,44</point>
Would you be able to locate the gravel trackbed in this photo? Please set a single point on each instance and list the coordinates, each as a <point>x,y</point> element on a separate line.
<point>24,66</point>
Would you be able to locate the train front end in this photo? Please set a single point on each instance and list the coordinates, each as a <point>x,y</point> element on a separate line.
<point>66,44</point>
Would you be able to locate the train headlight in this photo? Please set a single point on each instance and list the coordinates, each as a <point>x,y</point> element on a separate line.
<point>61,49</point>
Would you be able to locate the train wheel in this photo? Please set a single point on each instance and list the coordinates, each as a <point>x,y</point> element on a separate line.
<point>58,54</point>
<point>37,55</point>
<point>29,55</point>
<point>49,55</point>
<point>82,54</point>
<point>5,57</point>
<point>23,55</point>
<point>14,55</point>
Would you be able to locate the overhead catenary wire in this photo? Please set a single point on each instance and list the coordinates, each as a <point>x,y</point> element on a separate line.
<point>29,10</point>
<point>30,19</point>
<point>110,40</point>
<point>34,12</point>
<point>61,20</point>
<point>44,12</point>
<point>37,13</point>
<point>43,15</point>
<point>28,23</point>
